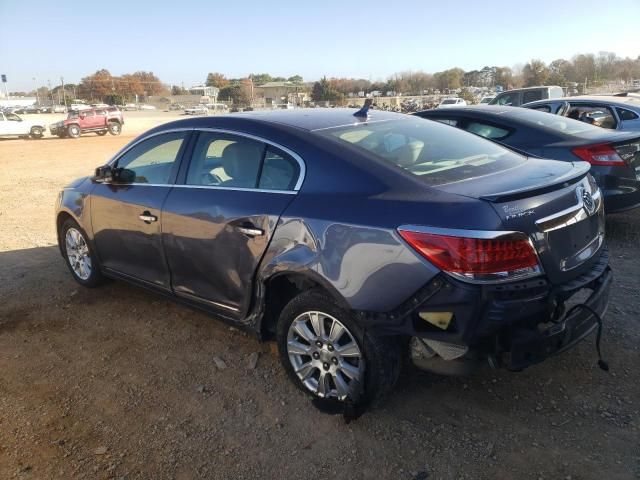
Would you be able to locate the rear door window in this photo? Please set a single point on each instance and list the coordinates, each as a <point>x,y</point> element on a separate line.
<point>593,114</point>
<point>279,172</point>
<point>625,114</point>
<point>531,96</point>
<point>485,130</point>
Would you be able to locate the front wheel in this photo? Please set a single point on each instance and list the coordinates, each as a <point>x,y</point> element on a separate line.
<point>37,132</point>
<point>79,257</point>
<point>115,128</point>
<point>330,357</point>
<point>73,131</point>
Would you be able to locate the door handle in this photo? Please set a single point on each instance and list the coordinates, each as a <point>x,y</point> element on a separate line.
<point>146,217</point>
<point>250,231</point>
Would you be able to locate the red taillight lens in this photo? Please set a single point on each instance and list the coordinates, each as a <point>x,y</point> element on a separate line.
<point>603,154</point>
<point>508,256</point>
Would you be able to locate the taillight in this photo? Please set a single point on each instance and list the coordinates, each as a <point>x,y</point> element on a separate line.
<point>507,256</point>
<point>603,154</point>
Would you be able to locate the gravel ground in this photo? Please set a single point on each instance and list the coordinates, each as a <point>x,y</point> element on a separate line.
<point>118,383</point>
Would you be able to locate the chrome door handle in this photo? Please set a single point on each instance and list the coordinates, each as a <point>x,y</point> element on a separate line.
<point>251,231</point>
<point>146,217</point>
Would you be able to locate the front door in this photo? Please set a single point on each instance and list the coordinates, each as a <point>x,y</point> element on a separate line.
<point>126,217</point>
<point>218,224</point>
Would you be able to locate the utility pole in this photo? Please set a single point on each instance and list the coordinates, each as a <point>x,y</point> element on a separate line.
<point>36,84</point>
<point>64,96</point>
<point>50,91</point>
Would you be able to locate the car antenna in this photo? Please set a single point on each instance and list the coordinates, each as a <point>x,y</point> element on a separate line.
<point>364,111</point>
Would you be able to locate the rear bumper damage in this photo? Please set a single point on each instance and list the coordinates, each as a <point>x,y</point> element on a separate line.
<point>454,327</point>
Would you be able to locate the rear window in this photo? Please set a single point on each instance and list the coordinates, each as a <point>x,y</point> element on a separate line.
<point>554,122</point>
<point>451,101</point>
<point>436,153</point>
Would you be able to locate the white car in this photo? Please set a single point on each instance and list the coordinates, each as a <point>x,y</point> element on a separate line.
<point>197,110</point>
<point>452,102</point>
<point>59,109</point>
<point>146,107</point>
<point>79,106</point>
<point>11,125</point>
<point>487,99</point>
<point>130,107</point>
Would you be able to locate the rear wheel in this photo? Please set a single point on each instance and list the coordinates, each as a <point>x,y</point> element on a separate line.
<point>37,132</point>
<point>102,133</point>
<point>79,257</point>
<point>330,357</point>
<point>73,131</point>
<point>114,128</point>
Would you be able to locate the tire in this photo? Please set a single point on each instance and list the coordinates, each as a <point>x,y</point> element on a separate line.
<point>102,133</point>
<point>378,365</point>
<point>114,128</point>
<point>37,132</point>
<point>79,255</point>
<point>73,131</point>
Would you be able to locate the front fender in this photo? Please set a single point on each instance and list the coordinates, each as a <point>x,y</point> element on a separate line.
<point>73,201</point>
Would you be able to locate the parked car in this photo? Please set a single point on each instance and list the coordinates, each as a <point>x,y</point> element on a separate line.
<point>519,96</point>
<point>353,242</point>
<point>146,107</point>
<point>176,106</point>
<point>452,102</point>
<point>59,109</point>
<point>79,106</point>
<point>99,121</point>
<point>614,157</point>
<point>130,107</point>
<point>12,125</point>
<point>486,99</point>
<point>27,109</point>
<point>45,109</point>
<point>613,112</point>
<point>197,110</point>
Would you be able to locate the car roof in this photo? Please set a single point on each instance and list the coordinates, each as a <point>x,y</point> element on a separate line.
<point>311,118</point>
<point>634,101</point>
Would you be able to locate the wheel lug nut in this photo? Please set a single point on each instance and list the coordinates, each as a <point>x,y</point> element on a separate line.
<point>316,355</point>
<point>319,344</point>
<point>330,347</point>
<point>325,366</point>
<point>334,360</point>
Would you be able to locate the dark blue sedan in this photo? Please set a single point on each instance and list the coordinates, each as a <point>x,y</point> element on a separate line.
<point>614,156</point>
<point>353,240</point>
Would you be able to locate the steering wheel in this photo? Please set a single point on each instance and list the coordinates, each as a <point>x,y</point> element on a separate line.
<point>211,179</point>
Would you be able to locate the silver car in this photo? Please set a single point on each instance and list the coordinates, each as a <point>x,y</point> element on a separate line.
<point>608,111</point>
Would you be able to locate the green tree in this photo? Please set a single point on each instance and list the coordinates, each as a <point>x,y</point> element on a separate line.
<point>535,73</point>
<point>295,79</point>
<point>260,78</point>
<point>178,90</point>
<point>216,79</point>
<point>325,91</point>
<point>238,93</point>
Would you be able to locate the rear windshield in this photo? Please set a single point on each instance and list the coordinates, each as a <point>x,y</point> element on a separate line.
<point>450,101</point>
<point>434,152</point>
<point>554,122</point>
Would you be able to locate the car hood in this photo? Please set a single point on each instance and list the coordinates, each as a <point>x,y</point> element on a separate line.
<point>534,176</point>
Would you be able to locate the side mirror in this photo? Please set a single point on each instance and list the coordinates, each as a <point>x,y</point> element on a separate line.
<point>103,174</point>
<point>124,175</point>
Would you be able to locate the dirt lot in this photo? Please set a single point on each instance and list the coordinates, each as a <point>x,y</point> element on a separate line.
<point>118,383</point>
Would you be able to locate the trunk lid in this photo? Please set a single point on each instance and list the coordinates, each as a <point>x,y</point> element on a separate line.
<point>556,203</point>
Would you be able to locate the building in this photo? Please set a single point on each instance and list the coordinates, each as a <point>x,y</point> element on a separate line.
<point>204,91</point>
<point>273,94</point>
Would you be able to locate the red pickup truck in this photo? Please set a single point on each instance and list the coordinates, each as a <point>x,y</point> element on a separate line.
<point>98,120</point>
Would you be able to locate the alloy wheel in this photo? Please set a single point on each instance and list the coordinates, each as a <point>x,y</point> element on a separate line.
<point>78,254</point>
<point>324,354</point>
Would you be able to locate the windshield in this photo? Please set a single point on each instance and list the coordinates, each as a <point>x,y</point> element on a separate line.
<point>450,101</point>
<point>434,152</point>
<point>554,122</point>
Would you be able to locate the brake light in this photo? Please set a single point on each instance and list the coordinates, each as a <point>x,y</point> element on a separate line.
<point>603,154</point>
<point>505,257</point>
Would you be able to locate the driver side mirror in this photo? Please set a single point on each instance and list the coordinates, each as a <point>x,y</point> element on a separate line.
<point>109,174</point>
<point>103,174</point>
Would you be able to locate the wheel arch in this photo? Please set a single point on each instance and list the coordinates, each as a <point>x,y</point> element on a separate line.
<point>280,288</point>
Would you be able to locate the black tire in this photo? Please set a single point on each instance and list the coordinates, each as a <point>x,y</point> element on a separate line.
<point>37,132</point>
<point>73,131</point>
<point>382,355</point>
<point>95,278</point>
<point>102,133</point>
<point>114,128</point>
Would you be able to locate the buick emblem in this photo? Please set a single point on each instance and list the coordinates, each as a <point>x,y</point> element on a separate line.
<point>587,201</point>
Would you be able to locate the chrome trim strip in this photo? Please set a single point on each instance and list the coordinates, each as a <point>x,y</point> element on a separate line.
<point>569,216</point>
<point>210,187</point>
<point>204,300</point>
<point>298,158</point>
<point>357,122</point>
<point>456,232</point>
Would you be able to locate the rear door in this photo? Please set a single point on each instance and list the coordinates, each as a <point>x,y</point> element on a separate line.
<point>126,217</point>
<point>218,223</point>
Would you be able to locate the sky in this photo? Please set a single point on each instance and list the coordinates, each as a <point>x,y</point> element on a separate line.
<point>181,41</point>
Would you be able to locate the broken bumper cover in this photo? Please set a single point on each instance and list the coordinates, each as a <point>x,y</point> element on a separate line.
<point>514,325</point>
<point>529,347</point>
